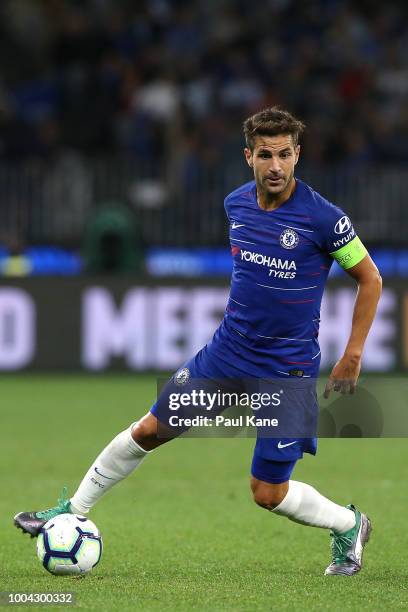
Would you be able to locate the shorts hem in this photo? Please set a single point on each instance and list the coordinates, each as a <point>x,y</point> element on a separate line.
<point>268,479</point>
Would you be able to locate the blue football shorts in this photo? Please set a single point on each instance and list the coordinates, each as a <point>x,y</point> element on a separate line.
<point>276,449</point>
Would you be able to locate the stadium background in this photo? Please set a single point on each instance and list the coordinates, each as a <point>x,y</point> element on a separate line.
<point>120,134</point>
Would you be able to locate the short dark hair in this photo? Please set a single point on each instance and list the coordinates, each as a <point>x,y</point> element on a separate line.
<point>271,122</point>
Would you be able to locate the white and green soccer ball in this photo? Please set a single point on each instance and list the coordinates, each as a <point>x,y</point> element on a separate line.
<point>69,544</point>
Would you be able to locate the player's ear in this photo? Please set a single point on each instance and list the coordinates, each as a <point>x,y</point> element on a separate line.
<point>297,153</point>
<point>248,157</point>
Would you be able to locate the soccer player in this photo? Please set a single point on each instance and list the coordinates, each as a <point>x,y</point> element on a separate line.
<point>284,237</point>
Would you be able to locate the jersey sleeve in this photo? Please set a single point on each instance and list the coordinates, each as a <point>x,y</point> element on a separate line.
<point>338,237</point>
<point>227,206</point>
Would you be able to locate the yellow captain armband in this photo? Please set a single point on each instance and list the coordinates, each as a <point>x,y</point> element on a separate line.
<point>350,254</point>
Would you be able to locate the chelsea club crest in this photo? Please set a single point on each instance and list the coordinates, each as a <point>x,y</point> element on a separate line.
<point>182,376</point>
<point>289,239</point>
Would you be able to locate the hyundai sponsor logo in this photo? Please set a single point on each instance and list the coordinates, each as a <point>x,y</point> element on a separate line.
<point>343,225</point>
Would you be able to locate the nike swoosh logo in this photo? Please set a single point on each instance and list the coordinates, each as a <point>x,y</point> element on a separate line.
<point>237,225</point>
<point>280,445</point>
<point>103,476</point>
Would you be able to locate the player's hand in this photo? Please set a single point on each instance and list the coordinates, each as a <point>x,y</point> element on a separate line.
<point>344,376</point>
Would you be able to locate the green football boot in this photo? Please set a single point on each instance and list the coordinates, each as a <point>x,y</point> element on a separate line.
<point>31,522</point>
<point>347,548</point>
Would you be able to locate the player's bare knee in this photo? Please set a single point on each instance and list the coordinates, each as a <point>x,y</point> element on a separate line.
<point>267,501</point>
<point>145,433</point>
<point>268,495</point>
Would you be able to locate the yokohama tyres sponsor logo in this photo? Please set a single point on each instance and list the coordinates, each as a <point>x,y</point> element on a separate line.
<point>279,268</point>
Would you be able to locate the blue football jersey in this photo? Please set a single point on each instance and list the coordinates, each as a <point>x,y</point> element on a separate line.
<point>281,260</point>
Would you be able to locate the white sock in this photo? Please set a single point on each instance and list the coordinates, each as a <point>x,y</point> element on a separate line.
<point>303,504</point>
<point>115,463</point>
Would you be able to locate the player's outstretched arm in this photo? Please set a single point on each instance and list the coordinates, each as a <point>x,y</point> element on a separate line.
<point>345,373</point>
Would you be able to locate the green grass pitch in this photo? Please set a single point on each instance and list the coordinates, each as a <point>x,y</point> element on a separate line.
<point>182,532</point>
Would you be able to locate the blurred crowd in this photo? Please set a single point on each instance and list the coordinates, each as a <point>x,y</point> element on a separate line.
<point>161,78</point>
